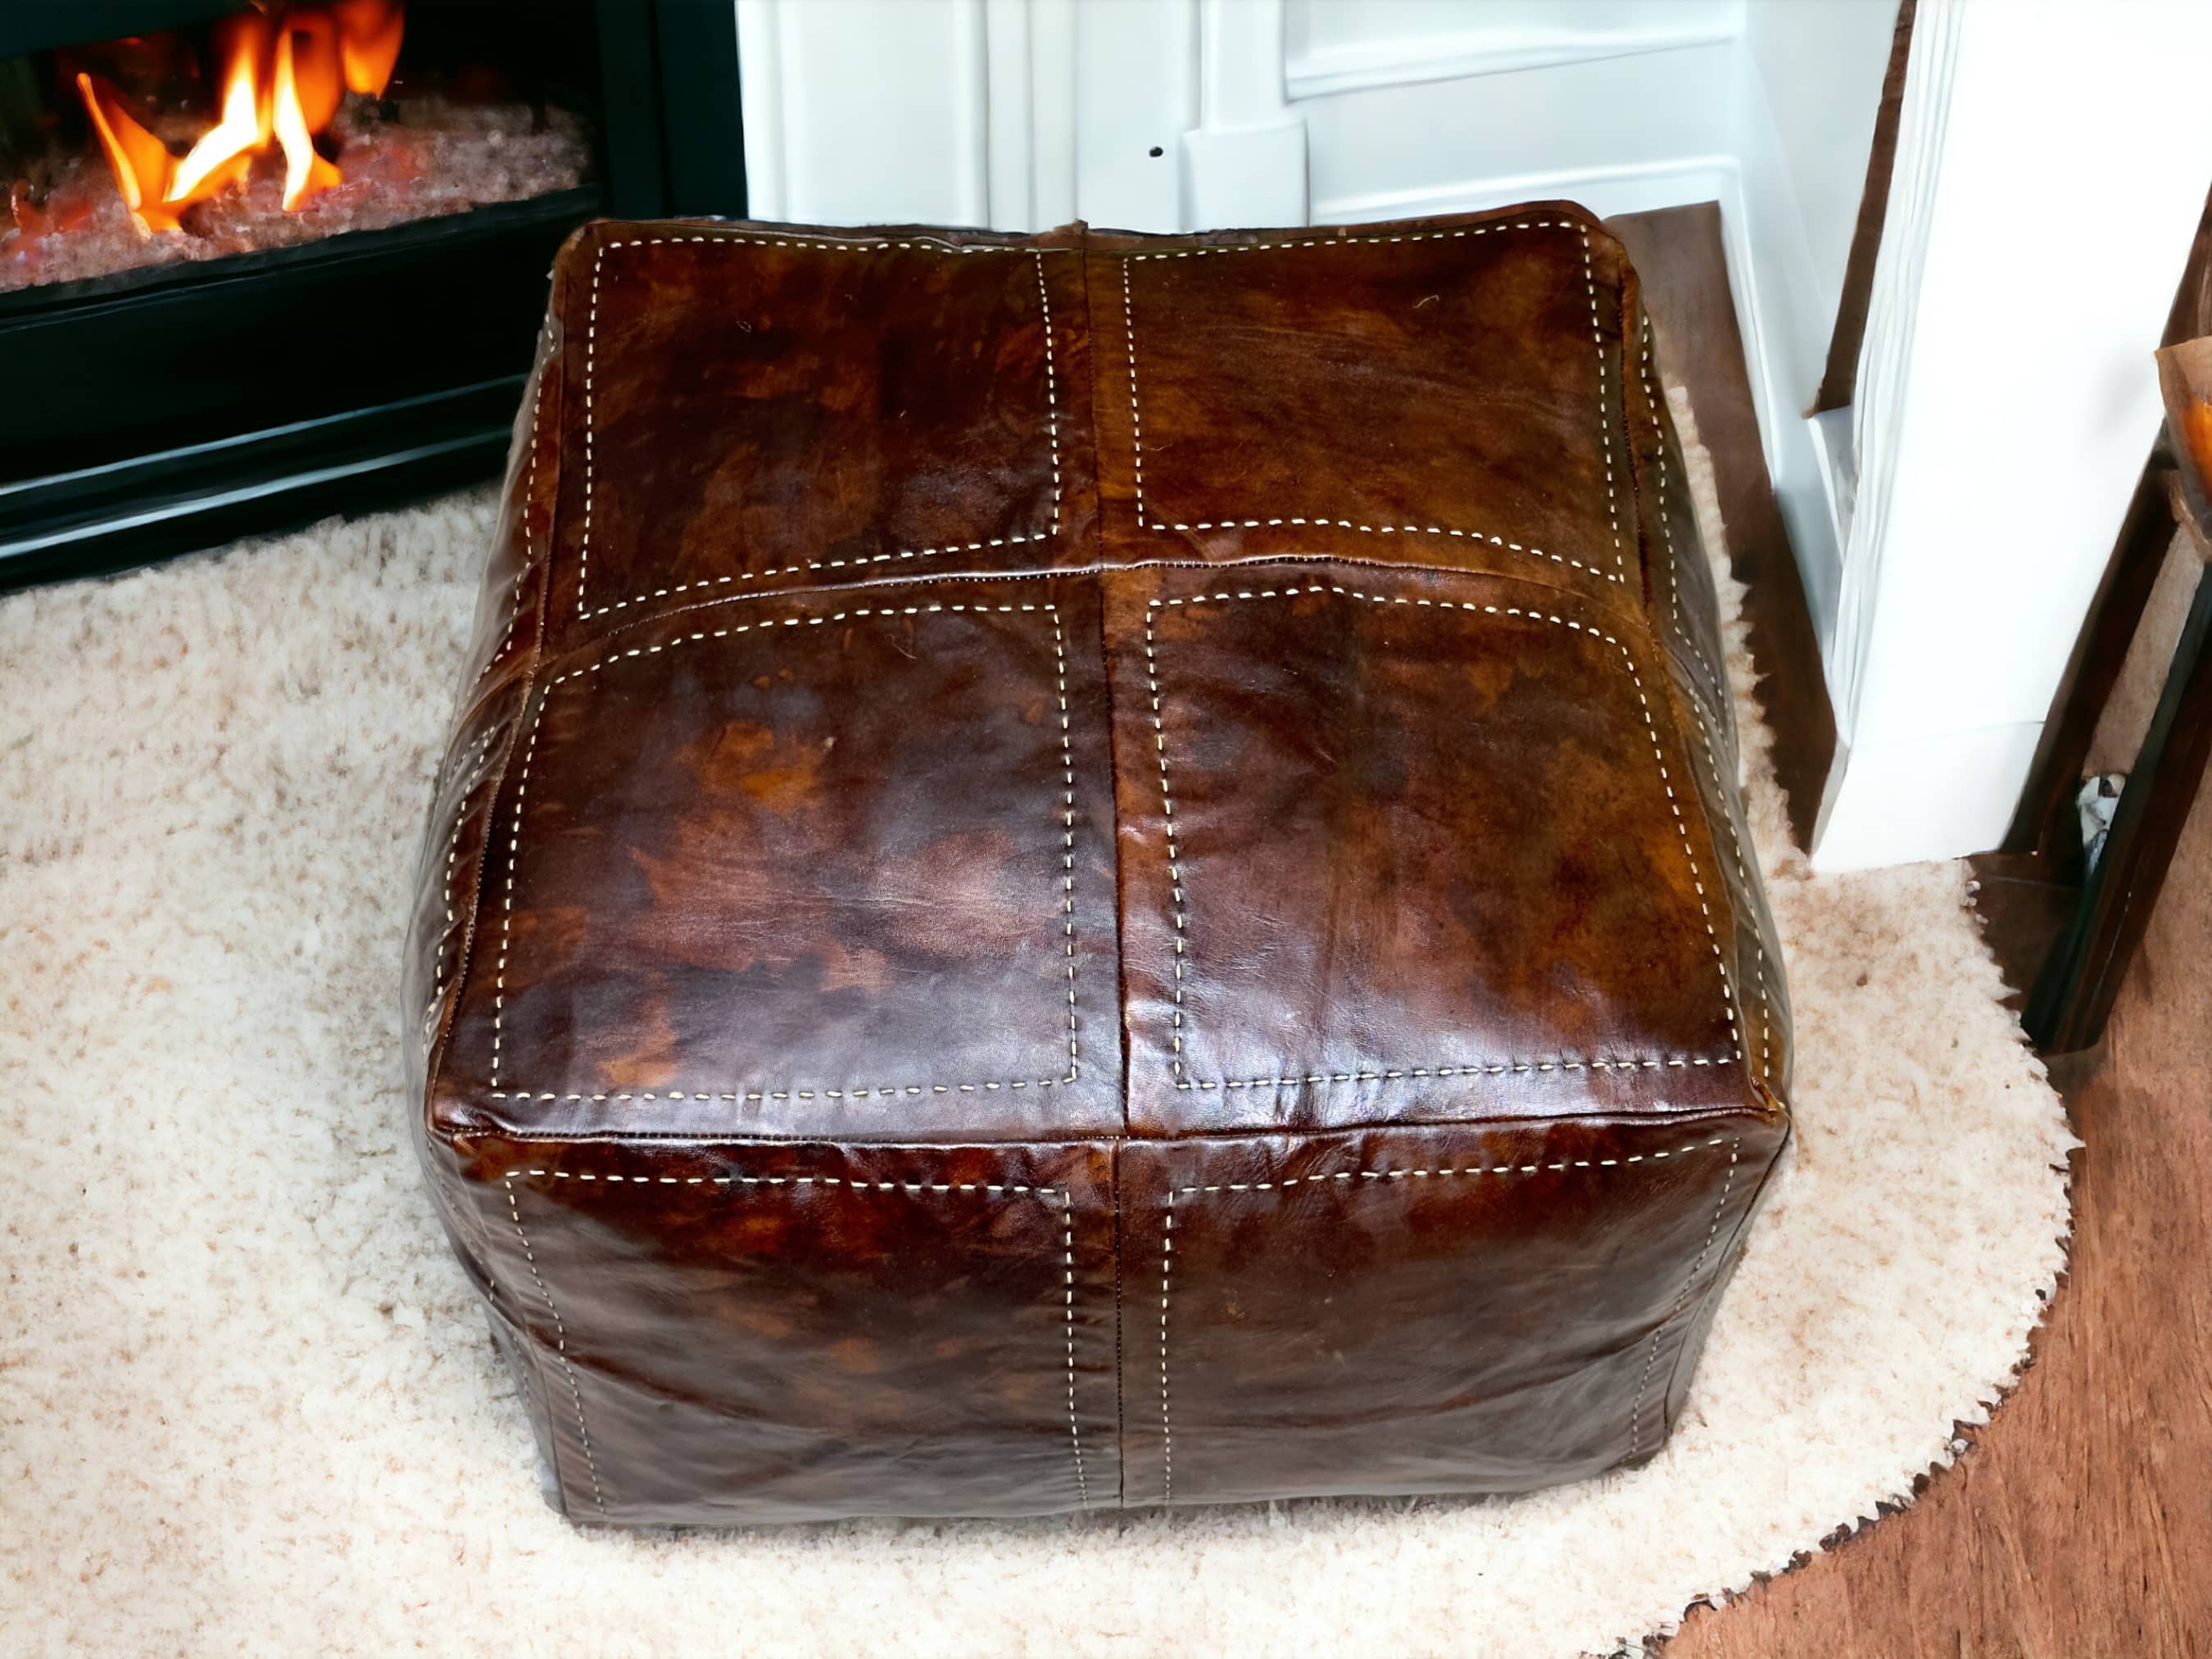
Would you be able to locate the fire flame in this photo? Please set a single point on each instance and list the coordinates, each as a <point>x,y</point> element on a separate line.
<point>283,76</point>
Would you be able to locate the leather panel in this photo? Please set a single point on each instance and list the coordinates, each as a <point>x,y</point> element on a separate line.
<point>756,411</point>
<point>1441,394</point>
<point>734,1335</point>
<point>1507,1300</point>
<point>766,910</point>
<point>1344,907</point>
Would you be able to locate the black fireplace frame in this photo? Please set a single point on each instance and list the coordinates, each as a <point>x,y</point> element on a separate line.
<point>162,410</point>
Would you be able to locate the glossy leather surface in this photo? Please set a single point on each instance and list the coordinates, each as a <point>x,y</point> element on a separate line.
<point>1093,871</point>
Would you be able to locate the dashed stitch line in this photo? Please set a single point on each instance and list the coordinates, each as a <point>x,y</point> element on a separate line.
<point>1136,418</point>
<point>1743,880</point>
<point>1347,1176</point>
<point>1043,1194</point>
<point>1177,905</point>
<point>590,349</point>
<point>1051,389</point>
<point>1167,1429</point>
<point>507,901</point>
<point>1636,1409</point>
<point>561,1347</point>
<point>1705,736</point>
<point>1067,1301</point>
<point>1136,414</point>
<point>1442,1171</point>
<point>480,760</point>
<point>1065,817</point>
<point>529,555</point>
<point>851,244</point>
<point>591,472</point>
<point>1666,525</point>
<point>855,562</point>
<point>1470,1068</point>
<point>1604,422</point>
<point>1459,234</point>
<point>1383,1074</point>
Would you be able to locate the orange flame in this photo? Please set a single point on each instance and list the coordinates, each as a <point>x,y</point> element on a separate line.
<point>369,42</point>
<point>135,155</point>
<point>305,171</point>
<point>282,84</point>
<point>246,115</point>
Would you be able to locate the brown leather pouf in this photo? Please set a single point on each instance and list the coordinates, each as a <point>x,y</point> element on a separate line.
<point>1093,871</point>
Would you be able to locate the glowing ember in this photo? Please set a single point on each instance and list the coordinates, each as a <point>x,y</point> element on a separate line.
<point>284,74</point>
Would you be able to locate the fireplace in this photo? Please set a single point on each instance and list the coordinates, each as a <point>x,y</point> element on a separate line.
<point>261,262</point>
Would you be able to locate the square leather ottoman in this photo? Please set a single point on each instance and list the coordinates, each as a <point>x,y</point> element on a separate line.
<point>1093,871</point>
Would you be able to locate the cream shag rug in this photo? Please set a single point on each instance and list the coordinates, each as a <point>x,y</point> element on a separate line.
<point>246,1401</point>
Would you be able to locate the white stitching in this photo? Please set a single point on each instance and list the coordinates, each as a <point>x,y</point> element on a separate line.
<point>854,245</point>
<point>1537,1168</point>
<point>1697,714</point>
<point>743,577</point>
<point>1604,422</point>
<point>1043,1194</point>
<point>481,760</point>
<point>592,335</point>
<point>1066,816</point>
<point>506,899</point>
<point>560,1348</point>
<point>1136,419</point>
<point>1667,527</point>
<point>1067,837</point>
<point>1051,392</point>
<point>1068,1297</point>
<point>1459,234</point>
<point>1167,1240</point>
<point>1176,896</point>
<point>1636,1409</point>
<point>1470,1068</point>
<point>590,366</point>
<point>1666,781</point>
<point>529,557</point>
<point>1743,879</point>
<point>1167,1430</point>
<point>1136,416</point>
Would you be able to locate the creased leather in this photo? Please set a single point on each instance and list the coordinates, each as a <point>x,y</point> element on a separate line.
<point>1093,871</point>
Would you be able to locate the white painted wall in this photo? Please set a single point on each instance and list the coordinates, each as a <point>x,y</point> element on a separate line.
<point>1806,93</point>
<point>1025,113</point>
<point>2049,180</point>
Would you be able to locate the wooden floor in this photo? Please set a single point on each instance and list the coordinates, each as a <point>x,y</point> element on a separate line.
<point>2080,1523</point>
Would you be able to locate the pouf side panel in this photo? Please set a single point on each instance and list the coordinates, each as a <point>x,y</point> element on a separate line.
<point>1684,622</point>
<point>456,833</point>
<point>1756,961</point>
<point>1687,1346</point>
<point>744,1334</point>
<point>1684,607</point>
<point>509,599</point>
<point>1465,1309</point>
<point>1404,845</point>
